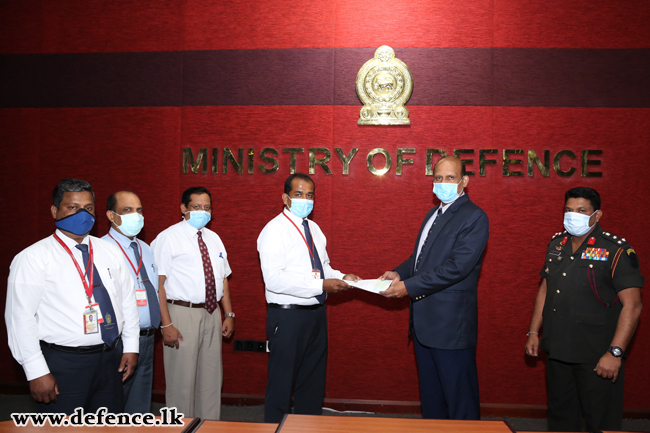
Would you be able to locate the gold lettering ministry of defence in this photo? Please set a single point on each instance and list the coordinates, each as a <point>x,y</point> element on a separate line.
<point>384,84</point>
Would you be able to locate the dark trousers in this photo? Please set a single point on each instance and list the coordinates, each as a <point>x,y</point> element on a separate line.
<point>87,380</point>
<point>297,362</point>
<point>576,391</point>
<point>137,388</point>
<point>448,383</point>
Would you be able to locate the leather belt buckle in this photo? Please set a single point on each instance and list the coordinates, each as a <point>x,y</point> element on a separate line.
<point>296,306</point>
<point>147,332</point>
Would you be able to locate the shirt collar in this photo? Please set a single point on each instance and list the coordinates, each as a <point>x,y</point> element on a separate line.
<point>71,243</point>
<point>120,238</point>
<point>444,207</point>
<point>293,218</point>
<point>189,229</point>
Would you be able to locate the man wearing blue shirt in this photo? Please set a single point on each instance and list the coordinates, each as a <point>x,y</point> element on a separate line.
<point>124,211</point>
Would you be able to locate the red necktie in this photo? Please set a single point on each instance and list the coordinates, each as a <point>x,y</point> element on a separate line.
<point>210,287</point>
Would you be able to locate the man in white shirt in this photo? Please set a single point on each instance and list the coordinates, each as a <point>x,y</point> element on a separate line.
<point>124,211</point>
<point>297,275</point>
<point>193,269</point>
<point>69,299</point>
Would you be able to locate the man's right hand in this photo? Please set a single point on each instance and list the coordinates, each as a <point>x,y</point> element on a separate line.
<point>333,285</point>
<point>532,345</point>
<point>390,275</point>
<point>171,335</point>
<point>44,389</point>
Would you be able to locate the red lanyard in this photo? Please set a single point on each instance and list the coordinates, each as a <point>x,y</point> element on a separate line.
<point>127,257</point>
<point>313,260</point>
<point>88,285</point>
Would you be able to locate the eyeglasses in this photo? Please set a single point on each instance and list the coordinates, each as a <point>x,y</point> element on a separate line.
<point>206,208</point>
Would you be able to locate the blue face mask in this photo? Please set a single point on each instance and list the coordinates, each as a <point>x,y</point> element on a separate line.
<point>199,218</point>
<point>446,192</point>
<point>132,223</point>
<point>301,207</point>
<point>78,223</point>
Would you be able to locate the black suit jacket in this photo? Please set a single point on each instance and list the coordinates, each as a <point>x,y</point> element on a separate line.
<point>444,310</point>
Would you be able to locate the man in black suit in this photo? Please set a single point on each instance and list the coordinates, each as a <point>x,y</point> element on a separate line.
<point>441,277</point>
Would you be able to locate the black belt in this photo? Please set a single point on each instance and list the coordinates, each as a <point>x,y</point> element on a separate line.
<point>296,307</point>
<point>185,303</point>
<point>147,332</point>
<point>97,348</point>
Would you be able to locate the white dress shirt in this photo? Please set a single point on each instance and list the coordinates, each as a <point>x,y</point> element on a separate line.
<point>425,232</point>
<point>46,300</point>
<point>147,262</point>
<point>177,254</point>
<point>286,262</point>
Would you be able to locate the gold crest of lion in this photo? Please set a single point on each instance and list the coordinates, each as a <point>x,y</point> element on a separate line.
<point>384,84</point>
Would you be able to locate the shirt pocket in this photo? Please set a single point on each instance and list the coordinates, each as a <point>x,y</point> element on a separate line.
<point>108,275</point>
<point>595,277</point>
<point>218,260</point>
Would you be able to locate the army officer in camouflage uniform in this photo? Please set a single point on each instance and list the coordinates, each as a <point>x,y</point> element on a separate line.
<point>588,307</point>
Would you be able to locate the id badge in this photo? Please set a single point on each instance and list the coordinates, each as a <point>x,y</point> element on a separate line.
<point>316,274</point>
<point>141,297</point>
<point>95,307</point>
<point>90,322</point>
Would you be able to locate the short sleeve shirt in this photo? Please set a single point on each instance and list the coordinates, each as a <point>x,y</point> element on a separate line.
<point>581,309</point>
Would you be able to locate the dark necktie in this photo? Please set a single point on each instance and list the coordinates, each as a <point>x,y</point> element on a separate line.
<point>417,264</point>
<point>315,259</point>
<point>210,287</point>
<point>109,329</point>
<point>152,299</point>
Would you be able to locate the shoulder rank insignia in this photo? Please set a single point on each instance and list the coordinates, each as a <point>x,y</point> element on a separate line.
<point>557,234</point>
<point>612,237</point>
<point>600,254</point>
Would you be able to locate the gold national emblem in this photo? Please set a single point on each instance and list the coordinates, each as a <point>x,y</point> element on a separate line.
<point>384,84</point>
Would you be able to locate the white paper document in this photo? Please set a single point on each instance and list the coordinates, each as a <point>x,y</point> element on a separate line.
<point>374,286</point>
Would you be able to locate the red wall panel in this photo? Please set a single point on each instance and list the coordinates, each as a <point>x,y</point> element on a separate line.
<point>113,149</point>
<point>20,136</point>
<point>33,26</point>
<point>371,221</point>
<point>571,24</point>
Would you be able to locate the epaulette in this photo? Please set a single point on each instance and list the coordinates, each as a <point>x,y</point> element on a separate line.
<point>623,246</point>
<point>558,234</point>
<point>613,238</point>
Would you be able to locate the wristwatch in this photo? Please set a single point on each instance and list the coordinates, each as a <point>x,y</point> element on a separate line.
<point>231,314</point>
<point>617,352</point>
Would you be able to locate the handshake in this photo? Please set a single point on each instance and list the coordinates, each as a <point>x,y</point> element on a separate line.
<point>388,285</point>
